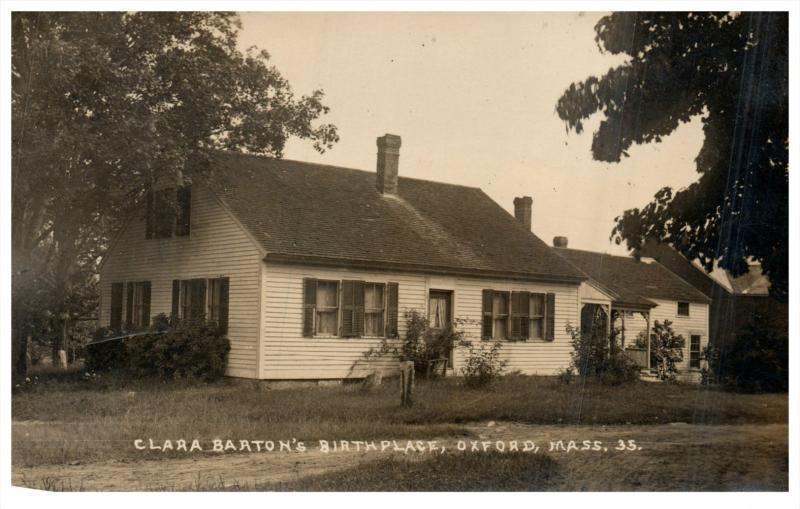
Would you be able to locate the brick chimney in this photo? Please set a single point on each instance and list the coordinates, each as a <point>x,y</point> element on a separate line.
<point>522,210</point>
<point>388,156</point>
<point>560,242</point>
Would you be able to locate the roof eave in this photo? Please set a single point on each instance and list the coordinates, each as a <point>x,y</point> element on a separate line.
<point>325,261</point>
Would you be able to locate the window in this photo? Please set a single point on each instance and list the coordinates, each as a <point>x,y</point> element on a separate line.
<point>683,309</point>
<point>202,299</point>
<point>193,299</point>
<point>218,302</point>
<point>327,307</point>
<point>374,309</point>
<point>169,212</point>
<point>536,316</point>
<point>500,315</point>
<point>439,309</point>
<point>349,308</point>
<point>115,321</point>
<point>531,315</point>
<point>138,308</point>
<point>694,351</point>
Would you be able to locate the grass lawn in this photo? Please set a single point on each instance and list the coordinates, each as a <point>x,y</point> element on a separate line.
<point>63,419</point>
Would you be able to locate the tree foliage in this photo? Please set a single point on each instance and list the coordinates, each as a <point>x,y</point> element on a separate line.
<point>106,103</point>
<point>666,348</point>
<point>732,70</point>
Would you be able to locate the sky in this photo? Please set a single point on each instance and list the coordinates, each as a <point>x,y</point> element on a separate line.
<point>473,97</point>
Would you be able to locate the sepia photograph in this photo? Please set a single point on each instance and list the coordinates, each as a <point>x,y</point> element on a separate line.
<point>371,249</point>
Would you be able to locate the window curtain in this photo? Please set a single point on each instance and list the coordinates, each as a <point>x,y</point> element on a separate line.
<point>438,312</point>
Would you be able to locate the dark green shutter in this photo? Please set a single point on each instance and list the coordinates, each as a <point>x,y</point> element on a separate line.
<point>352,308</point>
<point>516,322</point>
<point>358,308</point>
<point>486,330</point>
<point>184,211</point>
<point>520,311</point>
<point>115,320</point>
<point>176,298</point>
<point>550,317</point>
<point>129,306</point>
<point>525,314</point>
<point>309,306</point>
<point>392,297</point>
<point>223,304</point>
<point>146,303</point>
<point>348,309</point>
<point>149,215</point>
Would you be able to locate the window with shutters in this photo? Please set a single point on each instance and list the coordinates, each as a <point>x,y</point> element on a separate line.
<point>349,308</point>
<point>536,306</point>
<point>500,315</point>
<point>518,315</point>
<point>169,212</point>
<point>139,295</point>
<point>374,309</point>
<point>694,351</point>
<point>327,308</point>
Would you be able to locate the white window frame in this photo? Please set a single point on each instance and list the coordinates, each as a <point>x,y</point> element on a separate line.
<point>542,317</point>
<point>337,310</point>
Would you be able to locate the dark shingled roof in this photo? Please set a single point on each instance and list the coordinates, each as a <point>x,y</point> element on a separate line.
<point>633,282</point>
<point>312,213</point>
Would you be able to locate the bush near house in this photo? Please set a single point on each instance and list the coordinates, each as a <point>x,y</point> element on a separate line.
<point>593,357</point>
<point>422,344</point>
<point>169,349</point>
<point>667,349</point>
<point>754,360</point>
<point>482,365</point>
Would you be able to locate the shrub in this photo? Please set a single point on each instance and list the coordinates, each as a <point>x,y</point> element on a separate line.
<point>590,350</point>
<point>421,343</point>
<point>667,349</point>
<point>169,350</point>
<point>482,365</point>
<point>619,369</point>
<point>592,357</point>
<point>755,360</point>
<point>106,355</point>
<point>566,375</point>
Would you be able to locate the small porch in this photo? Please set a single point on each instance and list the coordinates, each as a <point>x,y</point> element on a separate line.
<point>632,323</point>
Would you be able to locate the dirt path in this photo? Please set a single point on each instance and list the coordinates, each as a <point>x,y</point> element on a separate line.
<point>672,457</point>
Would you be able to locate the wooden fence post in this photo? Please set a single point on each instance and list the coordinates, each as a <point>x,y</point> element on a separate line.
<point>406,382</point>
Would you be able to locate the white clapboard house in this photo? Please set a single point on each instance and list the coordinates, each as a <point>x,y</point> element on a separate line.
<point>308,266</point>
<point>638,293</point>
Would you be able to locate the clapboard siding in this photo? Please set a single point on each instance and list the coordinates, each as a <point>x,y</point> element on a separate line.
<point>533,357</point>
<point>217,247</point>
<point>286,354</point>
<point>695,323</point>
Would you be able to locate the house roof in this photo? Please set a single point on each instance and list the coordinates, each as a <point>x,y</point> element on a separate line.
<point>312,213</point>
<point>634,282</point>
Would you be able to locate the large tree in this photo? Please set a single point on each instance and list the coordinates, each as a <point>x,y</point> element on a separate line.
<point>106,103</point>
<point>732,70</point>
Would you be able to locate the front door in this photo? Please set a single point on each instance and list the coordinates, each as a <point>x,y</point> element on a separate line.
<point>440,314</point>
